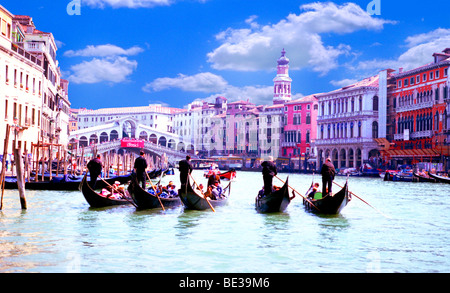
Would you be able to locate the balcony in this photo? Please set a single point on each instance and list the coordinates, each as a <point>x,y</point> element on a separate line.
<point>344,116</point>
<point>414,135</point>
<point>342,141</point>
<point>405,108</point>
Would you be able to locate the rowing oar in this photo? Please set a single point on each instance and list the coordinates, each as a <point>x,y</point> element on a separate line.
<point>298,193</point>
<point>125,197</point>
<point>363,201</point>
<point>156,193</point>
<point>202,193</point>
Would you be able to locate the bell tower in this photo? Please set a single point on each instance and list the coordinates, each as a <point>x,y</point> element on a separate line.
<point>282,82</point>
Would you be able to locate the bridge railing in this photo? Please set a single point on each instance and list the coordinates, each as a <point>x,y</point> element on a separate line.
<point>158,149</point>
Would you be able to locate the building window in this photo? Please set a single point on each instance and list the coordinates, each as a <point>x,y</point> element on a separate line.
<point>437,73</point>
<point>424,77</point>
<point>406,82</point>
<point>412,80</point>
<point>375,129</point>
<point>399,83</point>
<point>445,71</point>
<point>418,79</point>
<point>431,75</point>
<point>375,103</point>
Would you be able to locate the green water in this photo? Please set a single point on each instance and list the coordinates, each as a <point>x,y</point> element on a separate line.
<point>60,233</point>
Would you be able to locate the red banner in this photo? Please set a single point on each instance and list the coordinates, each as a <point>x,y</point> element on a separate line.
<point>131,143</point>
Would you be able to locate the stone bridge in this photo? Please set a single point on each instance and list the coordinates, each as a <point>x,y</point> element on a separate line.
<point>173,156</point>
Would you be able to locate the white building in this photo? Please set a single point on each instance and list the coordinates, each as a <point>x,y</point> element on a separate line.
<point>32,95</point>
<point>347,124</point>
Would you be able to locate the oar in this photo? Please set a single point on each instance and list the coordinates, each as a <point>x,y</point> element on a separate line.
<point>363,200</point>
<point>202,194</point>
<point>125,197</point>
<point>298,193</point>
<point>156,193</point>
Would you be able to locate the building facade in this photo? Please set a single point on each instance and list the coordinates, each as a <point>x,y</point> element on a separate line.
<point>33,97</point>
<point>348,124</point>
<point>421,99</point>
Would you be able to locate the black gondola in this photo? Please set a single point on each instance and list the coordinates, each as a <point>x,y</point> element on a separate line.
<point>422,178</point>
<point>275,202</point>
<point>194,200</point>
<point>440,179</point>
<point>97,200</point>
<point>146,200</point>
<point>329,204</point>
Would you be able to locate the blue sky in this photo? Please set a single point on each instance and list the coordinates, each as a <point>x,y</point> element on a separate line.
<point>119,53</point>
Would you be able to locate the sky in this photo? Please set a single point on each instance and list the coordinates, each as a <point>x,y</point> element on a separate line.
<point>124,53</point>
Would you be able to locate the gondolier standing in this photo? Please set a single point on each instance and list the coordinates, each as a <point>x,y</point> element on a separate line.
<point>328,172</point>
<point>185,168</point>
<point>269,170</point>
<point>95,169</point>
<point>140,164</point>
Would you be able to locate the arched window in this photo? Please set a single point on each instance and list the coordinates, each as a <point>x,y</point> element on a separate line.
<point>375,129</point>
<point>375,103</point>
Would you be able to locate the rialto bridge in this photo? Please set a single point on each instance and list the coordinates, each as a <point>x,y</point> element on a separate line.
<point>108,137</point>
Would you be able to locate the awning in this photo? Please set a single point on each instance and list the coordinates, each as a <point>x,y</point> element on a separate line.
<point>383,143</point>
<point>411,153</point>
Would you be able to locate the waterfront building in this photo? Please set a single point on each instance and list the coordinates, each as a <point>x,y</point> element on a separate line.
<point>421,99</point>
<point>300,129</point>
<point>33,97</point>
<point>348,123</point>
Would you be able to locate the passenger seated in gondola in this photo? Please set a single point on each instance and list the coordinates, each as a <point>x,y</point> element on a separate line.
<point>214,191</point>
<point>314,190</point>
<point>170,190</point>
<point>114,191</point>
<point>261,193</point>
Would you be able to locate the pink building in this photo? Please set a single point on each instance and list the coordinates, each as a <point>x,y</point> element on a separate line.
<point>300,128</point>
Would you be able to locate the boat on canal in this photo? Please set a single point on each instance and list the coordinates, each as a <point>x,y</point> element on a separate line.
<point>440,179</point>
<point>193,198</point>
<point>98,200</point>
<point>423,178</point>
<point>275,202</point>
<point>330,204</point>
<point>146,200</point>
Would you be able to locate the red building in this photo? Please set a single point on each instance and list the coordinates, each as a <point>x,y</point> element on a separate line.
<point>300,128</point>
<point>421,98</point>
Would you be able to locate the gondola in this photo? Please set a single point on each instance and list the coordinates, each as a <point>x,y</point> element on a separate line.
<point>329,204</point>
<point>146,200</point>
<point>275,202</point>
<point>97,200</point>
<point>440,179</point>
<point>194,200</point>
<point>421,178</point>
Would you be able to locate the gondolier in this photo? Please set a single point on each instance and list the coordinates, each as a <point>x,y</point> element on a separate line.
<point>328,172</point>
<point>269,170</point>
<point>185,168</point>
<point>95,169</point>
<point>140,164</point>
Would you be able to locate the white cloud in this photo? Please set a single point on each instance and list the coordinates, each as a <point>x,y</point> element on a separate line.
<point>420,52</point>
<point>126,3</point>
<point>255,48</point>
<point>113,70</point>
<point>103,51</point>
<point>344,82</point>
<point>203,82</point>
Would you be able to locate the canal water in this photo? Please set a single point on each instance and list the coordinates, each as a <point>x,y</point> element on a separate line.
<point>59,232</point>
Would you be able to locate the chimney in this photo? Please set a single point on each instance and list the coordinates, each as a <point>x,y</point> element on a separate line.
<point>400,70</point>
